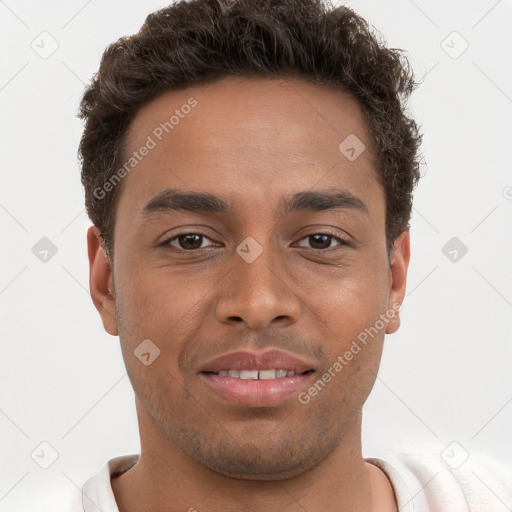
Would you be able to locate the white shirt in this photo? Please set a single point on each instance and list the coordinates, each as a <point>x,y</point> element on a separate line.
<point>421,483</point>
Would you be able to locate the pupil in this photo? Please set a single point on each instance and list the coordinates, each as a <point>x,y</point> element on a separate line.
<point>187,242</point>
<point>325,241</point>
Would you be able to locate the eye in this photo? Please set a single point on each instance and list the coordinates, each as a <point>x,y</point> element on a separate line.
<point>187,241</point>
<point>321,241</point>
<point>194,241</point>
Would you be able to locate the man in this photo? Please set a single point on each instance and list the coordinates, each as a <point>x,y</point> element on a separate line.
<point>249,168</point>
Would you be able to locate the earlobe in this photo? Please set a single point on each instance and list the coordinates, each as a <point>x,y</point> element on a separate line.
<point>100,281</point>
<point>398,279</point>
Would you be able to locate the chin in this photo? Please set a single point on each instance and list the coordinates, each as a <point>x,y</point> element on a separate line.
<point>259,462</point>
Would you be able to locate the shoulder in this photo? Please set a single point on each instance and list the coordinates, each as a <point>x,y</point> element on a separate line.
<point>451,480</point>
<point>97,493</point>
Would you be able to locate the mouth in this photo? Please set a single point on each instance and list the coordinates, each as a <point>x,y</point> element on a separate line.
<point>269,374</point>
<point>257,379</point>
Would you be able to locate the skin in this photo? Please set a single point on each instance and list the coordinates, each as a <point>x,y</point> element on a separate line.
<point>253,142</point>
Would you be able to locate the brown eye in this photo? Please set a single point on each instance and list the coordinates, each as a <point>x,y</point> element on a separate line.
<point>187,241</point>
<point>322,241</point>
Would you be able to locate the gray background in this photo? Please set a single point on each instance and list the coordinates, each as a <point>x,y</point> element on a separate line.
<point>445,376</point>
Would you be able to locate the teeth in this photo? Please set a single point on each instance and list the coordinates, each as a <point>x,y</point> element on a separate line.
<point>249,374</point>
<point>257,375</point>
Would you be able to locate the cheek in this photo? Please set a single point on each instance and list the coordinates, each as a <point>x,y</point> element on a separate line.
<point>354,316</point>
<point>156,301</point>
<point>351,368</point>
<point>167,310</point>
<point>352,300</point>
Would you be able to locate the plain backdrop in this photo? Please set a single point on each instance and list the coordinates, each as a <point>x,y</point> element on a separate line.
<point>445,376</point>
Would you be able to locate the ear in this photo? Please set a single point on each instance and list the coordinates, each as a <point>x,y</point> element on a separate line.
<point>398,278</point>
<point>100,281</point>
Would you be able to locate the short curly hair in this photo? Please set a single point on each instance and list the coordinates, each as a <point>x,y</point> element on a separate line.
<point>199,41</point>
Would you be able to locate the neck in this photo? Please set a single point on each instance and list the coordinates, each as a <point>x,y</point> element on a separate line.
<point>167,479</point>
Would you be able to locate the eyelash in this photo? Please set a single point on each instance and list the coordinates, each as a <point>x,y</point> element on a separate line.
<point>341,241</point>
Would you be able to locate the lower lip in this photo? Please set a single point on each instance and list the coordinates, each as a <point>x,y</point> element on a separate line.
<point>256,392</point>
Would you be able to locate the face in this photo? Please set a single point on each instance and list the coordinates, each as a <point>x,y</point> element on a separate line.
<point>247,241</point>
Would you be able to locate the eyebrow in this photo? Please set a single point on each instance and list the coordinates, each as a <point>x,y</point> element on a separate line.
<point>319,200</point>
<point>204,202</point>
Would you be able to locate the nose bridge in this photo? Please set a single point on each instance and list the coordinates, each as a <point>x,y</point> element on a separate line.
<point>256,270</point>
<point>256,290</point>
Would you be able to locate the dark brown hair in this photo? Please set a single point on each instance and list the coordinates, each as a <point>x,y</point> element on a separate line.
<point>198,41</point>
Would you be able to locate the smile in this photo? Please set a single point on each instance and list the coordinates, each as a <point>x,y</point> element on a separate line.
<point>256,374</point>
<point>257,379</point>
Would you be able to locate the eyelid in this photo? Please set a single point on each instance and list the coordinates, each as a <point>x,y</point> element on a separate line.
<point>342,241</point>
<point>166,242</point>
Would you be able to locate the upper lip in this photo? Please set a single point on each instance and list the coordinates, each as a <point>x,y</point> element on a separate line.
<point>269,359</point>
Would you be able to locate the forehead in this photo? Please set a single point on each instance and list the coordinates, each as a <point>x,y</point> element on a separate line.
<point>249,135</point>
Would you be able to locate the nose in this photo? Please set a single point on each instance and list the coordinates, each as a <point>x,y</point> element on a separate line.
<point>258,294</point>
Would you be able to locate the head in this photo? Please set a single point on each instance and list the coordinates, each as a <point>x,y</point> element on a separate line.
<point>249,168</point>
